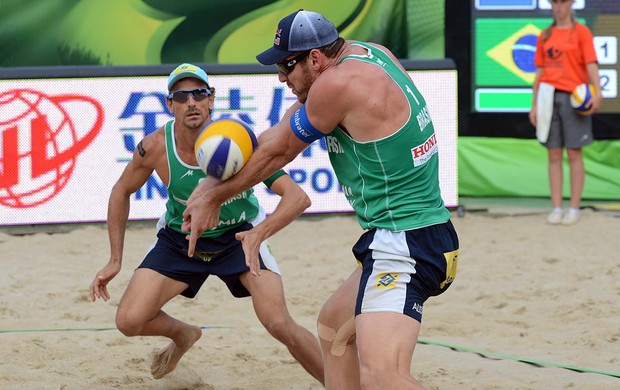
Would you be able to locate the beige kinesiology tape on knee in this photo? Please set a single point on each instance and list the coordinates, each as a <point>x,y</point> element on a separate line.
<point>338,338</point>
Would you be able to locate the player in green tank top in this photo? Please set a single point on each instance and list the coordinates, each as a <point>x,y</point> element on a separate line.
<point>382,145</point>
<point>167,270</point>
<point>392,182</point>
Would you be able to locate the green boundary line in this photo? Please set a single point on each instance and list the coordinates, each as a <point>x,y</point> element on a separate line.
<point>87,329</point>
<point>540,363</point>
<point>482,353</point>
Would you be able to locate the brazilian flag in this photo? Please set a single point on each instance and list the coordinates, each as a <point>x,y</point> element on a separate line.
<point>504,51</point>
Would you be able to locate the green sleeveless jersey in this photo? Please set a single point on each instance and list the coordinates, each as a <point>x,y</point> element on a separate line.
<point>184,178</point>
<point>393,182</point>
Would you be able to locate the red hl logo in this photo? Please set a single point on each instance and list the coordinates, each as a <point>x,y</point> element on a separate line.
<point>39,144</point>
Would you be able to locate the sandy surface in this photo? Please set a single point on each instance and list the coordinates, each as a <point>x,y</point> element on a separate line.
<point>525,290</point>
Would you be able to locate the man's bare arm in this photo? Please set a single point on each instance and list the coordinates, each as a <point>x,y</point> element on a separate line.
<point>133,177</point>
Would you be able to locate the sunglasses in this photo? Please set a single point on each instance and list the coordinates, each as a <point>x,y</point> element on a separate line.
<point>286,67</point>
<point>198,94</point>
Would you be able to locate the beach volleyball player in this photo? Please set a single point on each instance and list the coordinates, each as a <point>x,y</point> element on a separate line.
<point>382,145</point>
<point>167,271</point>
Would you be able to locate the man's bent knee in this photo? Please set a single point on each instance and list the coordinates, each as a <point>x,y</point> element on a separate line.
<point>128,326</point>
<point>339,338</point>
<point>279,328</point>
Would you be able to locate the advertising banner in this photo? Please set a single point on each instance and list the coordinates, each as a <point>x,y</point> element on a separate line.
<point>65,141</point>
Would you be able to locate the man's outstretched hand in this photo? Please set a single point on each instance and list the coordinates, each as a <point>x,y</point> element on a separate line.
<point>201,213</point>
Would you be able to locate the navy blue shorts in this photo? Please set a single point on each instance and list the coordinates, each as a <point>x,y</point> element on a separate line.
<point>401,270</point>
<point>222,256</point>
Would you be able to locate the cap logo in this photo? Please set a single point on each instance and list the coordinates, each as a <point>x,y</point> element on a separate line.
<point>185,68</point>
<point>276,40</point>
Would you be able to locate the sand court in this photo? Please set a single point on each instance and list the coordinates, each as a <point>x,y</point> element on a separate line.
<point>534,306</point>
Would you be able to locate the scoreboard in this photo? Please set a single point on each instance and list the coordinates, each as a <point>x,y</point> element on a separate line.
<point>503,42</point>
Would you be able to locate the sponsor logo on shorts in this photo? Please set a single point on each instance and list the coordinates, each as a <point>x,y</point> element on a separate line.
<point>268,245</point>
<point>452,262</point>
<point>422,153</point>
<point>204,256</point>
<point>386,280</point>
<point>418,307</point>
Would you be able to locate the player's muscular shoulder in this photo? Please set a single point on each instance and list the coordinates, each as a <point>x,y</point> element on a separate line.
<point>349,84</point>
<point>327,101</point>
<point>331,87</point>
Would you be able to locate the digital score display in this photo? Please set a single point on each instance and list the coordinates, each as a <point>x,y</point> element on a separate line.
<point>503,42</point>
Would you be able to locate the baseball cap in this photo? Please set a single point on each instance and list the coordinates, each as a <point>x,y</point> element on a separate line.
<point>187,70</point>
<point>299,31</point>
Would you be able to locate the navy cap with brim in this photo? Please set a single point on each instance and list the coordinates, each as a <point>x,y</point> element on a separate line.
<point>273,56</point>
<point>300,31</point>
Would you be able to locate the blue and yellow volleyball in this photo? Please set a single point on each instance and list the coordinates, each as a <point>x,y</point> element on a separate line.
<point>581,96</point>
<point>224,146</point>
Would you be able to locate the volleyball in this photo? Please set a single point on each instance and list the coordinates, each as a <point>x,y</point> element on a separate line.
<point>223,147</point>
<point>581,96</point>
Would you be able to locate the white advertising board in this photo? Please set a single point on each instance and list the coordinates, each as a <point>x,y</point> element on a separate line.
<point>65,141</point>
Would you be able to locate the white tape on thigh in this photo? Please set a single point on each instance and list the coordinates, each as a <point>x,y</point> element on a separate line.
<point>339,338</point>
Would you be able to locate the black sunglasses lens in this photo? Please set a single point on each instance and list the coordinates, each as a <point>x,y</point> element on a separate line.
<point>287,66</point>
<point>180,96</point>
<point>282,68</point>
<point>198,95</point>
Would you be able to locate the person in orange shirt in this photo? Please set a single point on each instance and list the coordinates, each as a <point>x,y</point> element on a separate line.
<point>565,58</point>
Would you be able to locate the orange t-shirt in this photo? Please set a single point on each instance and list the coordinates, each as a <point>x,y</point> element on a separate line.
<point>564,56</point>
